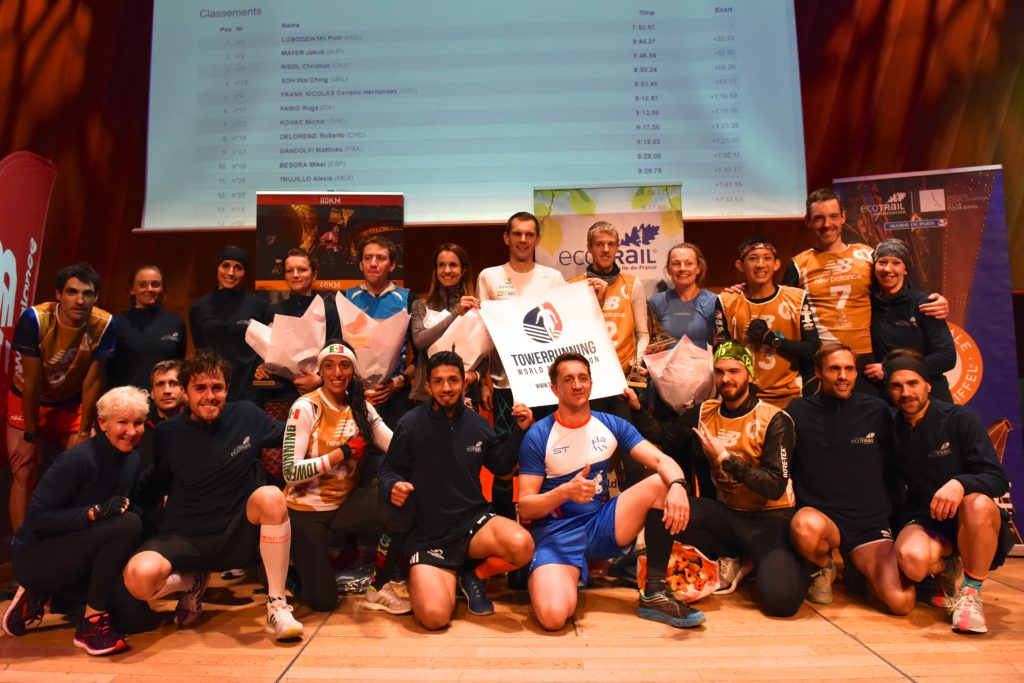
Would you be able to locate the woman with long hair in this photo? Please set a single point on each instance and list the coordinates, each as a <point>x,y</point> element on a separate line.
<point>325,439</point>
<point>452,294</point>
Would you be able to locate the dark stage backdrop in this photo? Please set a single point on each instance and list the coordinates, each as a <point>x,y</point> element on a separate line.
<point>887,87</point>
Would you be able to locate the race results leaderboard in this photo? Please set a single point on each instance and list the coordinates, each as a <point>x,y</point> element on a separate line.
<point>464,116</point>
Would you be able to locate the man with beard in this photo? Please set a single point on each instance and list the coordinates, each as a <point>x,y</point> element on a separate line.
<point>746,443</point>
<point>951,525</point>
<point>433,466</point>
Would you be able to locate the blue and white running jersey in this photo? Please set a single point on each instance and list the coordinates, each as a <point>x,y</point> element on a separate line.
<point>557,452</point>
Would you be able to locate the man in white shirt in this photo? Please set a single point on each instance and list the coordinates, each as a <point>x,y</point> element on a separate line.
<point>520,275</point>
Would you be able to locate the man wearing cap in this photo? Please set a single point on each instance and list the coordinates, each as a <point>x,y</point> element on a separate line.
<point>839,468</point>
<point>217,515</point>
<point>897,323</point>
<point>433,469</point>
<point>951,525</point>
<point>837,277</point>
<point>325,440</point>
<point>218,321</point>
<point>777,324</point>
<point>747,444</point>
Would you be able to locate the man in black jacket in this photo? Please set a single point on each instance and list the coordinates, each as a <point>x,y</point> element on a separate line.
<point>839,475</point>
<point>433,464</point>
<point>950,522</point>
<point>207,464</point>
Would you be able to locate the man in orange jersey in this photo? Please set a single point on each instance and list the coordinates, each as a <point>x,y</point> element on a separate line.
<point>837,277</point>
<point>746,444</point>
<point>776,324</point>
<point>623,304</point>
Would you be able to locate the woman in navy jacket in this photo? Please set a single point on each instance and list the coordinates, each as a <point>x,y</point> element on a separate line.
<point>896,322</point>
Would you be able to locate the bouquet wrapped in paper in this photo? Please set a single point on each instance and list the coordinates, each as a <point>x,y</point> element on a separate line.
<point>682,375</point>
<point>690,575</point>
<point>377,343</point>
<point>468,336</point>
<point>290,345</point>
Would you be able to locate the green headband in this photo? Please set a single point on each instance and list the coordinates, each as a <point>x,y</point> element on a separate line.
<point>735,351</point>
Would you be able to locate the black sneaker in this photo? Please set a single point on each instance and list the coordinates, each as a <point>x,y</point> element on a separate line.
<point>96,636</point>
<point>664,608</point>
<point>25,610</point>
<point>476,595</point>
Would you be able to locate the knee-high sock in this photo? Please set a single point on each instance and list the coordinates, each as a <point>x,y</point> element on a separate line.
<point>384,561</point>
<point>659,547</point>
<point>275,546</point>
<point>492,566</point>
<point>175,583</point>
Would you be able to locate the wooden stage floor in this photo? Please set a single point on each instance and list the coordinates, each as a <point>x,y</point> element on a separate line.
<point>848,640</point>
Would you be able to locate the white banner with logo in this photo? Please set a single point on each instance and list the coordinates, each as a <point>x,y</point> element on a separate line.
<point>530,331</point>
<point>649,220</point>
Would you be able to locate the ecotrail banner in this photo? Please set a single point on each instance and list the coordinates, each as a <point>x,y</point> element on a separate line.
<point>530,331</point>
<point>649,220</point>
<point>955,223</point>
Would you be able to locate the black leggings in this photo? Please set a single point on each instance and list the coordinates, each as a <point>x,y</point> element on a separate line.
<point>362,512</point>
<point>97,553</point>
<point>719,531</point>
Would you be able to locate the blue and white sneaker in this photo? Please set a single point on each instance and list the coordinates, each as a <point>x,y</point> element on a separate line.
<point>664,608</point>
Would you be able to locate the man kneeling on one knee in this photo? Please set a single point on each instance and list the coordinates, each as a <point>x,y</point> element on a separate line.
<point>433,465</point>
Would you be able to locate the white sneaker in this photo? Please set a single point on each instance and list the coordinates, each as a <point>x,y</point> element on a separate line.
<point>968,612</point>
<point>731,571</point>
<point>386,599</point>
<point>280,621</point>
<point>949,581</point>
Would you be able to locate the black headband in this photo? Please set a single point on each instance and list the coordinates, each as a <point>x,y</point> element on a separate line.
<point>904,363</point>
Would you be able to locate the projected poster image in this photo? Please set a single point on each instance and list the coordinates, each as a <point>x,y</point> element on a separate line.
<point>328,226</point>
<point>468,106</point>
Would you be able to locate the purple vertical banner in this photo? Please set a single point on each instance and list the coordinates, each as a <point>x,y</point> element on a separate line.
<point>955,223</point>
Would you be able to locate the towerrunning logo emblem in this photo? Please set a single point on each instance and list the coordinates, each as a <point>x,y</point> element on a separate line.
<point>543,324</point>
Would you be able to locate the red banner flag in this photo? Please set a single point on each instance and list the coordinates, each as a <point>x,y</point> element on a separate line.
<point>26,180</point>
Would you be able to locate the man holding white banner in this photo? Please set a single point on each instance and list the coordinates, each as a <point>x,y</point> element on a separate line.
<point>530,331</point>
<point>519,276</point>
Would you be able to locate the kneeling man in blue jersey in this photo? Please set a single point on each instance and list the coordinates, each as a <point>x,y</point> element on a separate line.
<point>563,473</point>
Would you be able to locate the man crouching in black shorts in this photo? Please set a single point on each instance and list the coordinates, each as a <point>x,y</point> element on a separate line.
<point>207,462</point>
<point>951,526</point>
<point>433,464</point>
<point>843,439</point>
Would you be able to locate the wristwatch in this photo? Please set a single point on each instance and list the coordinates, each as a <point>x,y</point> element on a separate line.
<point>680,481</point>
<point>30,437</point>
<point>777,339</point>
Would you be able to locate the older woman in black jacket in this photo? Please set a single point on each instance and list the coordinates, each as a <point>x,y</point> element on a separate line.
<point>78,529</point>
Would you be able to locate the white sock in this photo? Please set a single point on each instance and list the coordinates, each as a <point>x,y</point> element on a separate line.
<point>175,583</point>
<point>275,548</point>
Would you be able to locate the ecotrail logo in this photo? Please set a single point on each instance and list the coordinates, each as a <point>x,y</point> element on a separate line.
<point>640,235</point>
<point>894,204</point>
<point>543,324</point>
